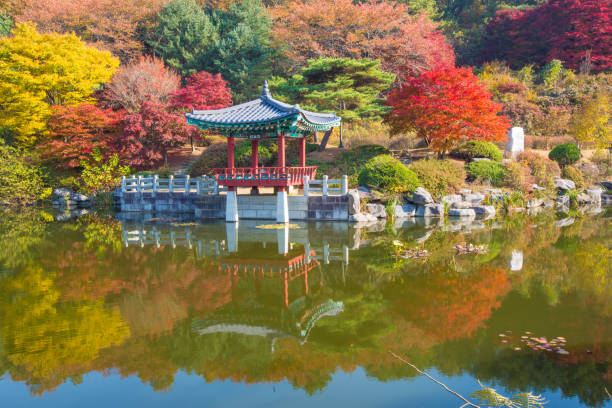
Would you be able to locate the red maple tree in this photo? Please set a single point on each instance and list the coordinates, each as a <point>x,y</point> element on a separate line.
<point>445,106</point>
<point>202,91</point>
<point>577,32</point>
<point>149,133</point>
<point>75,130</point>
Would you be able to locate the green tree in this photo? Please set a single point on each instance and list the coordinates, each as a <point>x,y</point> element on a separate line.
<point>20,182</point>
<point>101,176</point>
<point>40,70</point>
<point>183,35</point>
<point>346,86</point>
<point>6,24</point>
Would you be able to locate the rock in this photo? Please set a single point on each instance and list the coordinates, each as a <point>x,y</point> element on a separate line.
<point>461,204</point>
<point>493,191</point>
<point>430,210</point>
<point>516,141</point>
<point>61,193</point>
<point>564,184</point>
<point>451,198</point>
<point>534,202</point>
<point>486,210</point>
<point>365,195</point>
<point>464,191</point>
<point>535,187</point>
<point>563,200</point>
<point>354,202</point>
<point>474,199</point>
<point>481,159</point>
<point>78,197</point>
<point>584,198</point>
<point>362,217</point>
<point>420,196</point>
<point>377,210</point>
<point>595,194</point>
<point>404,211</point>
<point>606,184</point>
<point>462,212</point>
<point>565,222</point>
<point>364,189</point>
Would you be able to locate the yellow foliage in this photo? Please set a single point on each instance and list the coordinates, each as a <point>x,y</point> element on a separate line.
<point>39,70</point>
<point>592,123</point>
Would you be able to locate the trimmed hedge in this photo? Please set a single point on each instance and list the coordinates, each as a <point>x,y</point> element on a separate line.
<point>388,174</point>
<point>475,148</point>
<point>485,170</point>
<point>565,154</point>
<point>439,177</point>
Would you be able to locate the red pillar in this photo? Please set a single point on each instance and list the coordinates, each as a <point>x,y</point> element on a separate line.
<point>254,153</point>
<point>281,150</point>
<point>302,152</point>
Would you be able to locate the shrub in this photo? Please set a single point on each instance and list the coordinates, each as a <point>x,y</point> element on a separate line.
<point>439,177</point>
<point>388,174</point>
<point>603,160</point>
<point>572,173</point>
<point>476,148</point>
<point>485,170</point>
<point>542,169</point>
<point>214,156</point>
<point>565,154</point>
<point>101,176</point>
<point>20,182</point>
<point>516,176</point>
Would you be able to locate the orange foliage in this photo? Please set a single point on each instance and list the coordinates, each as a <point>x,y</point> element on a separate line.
<point>405,44</point>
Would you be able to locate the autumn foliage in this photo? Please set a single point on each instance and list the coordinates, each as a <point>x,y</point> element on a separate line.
<point>405,44</point>
<point>445,106</point>
<point>202,91</point>
<point>577,32</point>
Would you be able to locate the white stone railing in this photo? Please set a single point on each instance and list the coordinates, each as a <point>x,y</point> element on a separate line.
<point>326,186</point>
<point>152,184</point>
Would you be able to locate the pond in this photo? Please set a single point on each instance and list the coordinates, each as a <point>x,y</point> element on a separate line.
<point>100,311</point>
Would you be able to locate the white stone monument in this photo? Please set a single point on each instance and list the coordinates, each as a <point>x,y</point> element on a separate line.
<point>516,260</point>
<point>516,141</point>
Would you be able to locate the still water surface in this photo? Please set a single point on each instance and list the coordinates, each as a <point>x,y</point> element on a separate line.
<point>100,312</point>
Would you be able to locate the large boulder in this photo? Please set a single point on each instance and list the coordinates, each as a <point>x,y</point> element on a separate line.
<point>474,198</point>
<point>462,212</point>
<point>461,204</point>
<point>404,211</point>
<point>354,202</point>
<point>362,217</point>
<point>78,197</point>
<point>485,210</point>
<point>595,193</point>
<point>430,210</point>
<point>61,193</point>
<point>420,196</point>
<point>584,198</point>
<point>377,210</point>
<point>451,198</point>
<point>564,184</point>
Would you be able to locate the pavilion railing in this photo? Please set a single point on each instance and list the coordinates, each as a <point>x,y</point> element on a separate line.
<point>326,186</point>
<point>295,175</point>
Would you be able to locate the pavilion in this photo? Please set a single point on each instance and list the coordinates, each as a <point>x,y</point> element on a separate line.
<point>263,118</point>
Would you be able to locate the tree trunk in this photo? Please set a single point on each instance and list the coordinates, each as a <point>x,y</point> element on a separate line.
<point>324,140</point>
<point>192,146</point>
<point>165,159</point>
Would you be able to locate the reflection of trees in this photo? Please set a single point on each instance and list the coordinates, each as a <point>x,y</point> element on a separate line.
<point>21,232</point>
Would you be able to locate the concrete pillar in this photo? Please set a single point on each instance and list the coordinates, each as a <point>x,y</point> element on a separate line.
<point>231,206</point>
<point>282,238</point>
<point>231,230</point>
<point>282,206</point>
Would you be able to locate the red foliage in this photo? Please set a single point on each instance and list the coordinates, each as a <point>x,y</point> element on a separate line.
<point>75,130</point>
<point>202,91</point>
<point>148,134</point>
<point>445,106</point>
<point>146,78</point>
<point>405,44</point>
<point>568,30</point>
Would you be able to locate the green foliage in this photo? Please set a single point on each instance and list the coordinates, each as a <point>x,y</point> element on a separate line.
<point>565,154</point>
<point>213,157</point>
<point>20,181</point>
<point>485,170</point>
<point>349,87</point>
<point>476,148</point>
<point>388,174</point>
<point>183,35</point>
<point>489,397</point>
<point>244,151</point>
<point>6,24</point>
<point>101,176</point>
<point>572,173</point>
<point>439,177</point>
<point>551,73</point>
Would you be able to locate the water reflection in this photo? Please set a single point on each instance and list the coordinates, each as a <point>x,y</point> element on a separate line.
<point>152,296</point>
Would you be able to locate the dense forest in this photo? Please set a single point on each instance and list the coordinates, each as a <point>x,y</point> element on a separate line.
<point>87,82</point>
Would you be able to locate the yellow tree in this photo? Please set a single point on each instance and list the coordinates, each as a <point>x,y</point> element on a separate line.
<point>40,70</point>
<point>592,123</point>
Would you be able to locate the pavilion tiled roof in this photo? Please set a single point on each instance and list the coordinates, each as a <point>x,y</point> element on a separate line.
<point>260,111</point>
